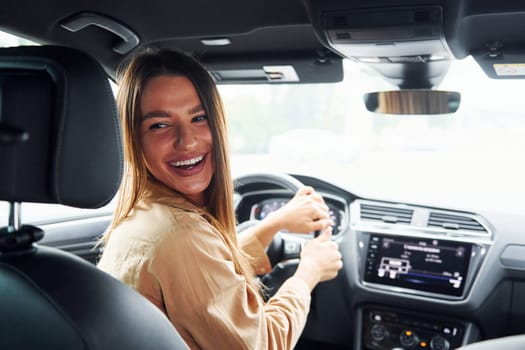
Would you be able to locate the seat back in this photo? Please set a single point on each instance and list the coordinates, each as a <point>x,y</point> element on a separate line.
<point>60,143</point>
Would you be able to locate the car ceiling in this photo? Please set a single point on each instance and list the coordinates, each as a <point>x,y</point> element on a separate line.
<point>276,31</point>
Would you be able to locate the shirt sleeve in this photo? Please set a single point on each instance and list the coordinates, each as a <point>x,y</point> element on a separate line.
<point>212,306</point>
<point>249,243</point>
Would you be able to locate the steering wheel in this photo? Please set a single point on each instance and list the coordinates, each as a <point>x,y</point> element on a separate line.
<point>284,251</point>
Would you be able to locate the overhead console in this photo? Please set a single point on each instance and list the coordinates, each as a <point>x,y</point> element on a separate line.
<point>409,36</point>
<point>418,251</point>
<point>406,34</point>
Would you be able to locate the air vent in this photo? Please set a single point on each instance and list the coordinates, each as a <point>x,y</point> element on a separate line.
<point>386,214</point>
<point>454,222</point>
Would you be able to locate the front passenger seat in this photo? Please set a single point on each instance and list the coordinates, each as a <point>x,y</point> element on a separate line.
<point>60,143</point>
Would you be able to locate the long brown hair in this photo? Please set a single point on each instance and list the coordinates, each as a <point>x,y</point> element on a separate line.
<point>138,184</point>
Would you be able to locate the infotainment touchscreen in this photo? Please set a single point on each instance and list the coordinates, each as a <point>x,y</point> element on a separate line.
<point>430,265</point>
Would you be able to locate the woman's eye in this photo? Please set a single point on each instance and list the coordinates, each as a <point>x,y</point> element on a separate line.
<point>157,126</point>
<point>200,118</point>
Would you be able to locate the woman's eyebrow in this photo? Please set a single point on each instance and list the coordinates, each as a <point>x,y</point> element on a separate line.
<point>162,114</point>
<point>196,109</point>
<point>155,114</point>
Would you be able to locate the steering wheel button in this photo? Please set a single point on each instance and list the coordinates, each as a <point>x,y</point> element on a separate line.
<point>292,247</point>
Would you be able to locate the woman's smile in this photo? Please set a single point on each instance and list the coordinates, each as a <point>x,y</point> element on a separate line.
<point>187,163</point>
<point>188,167</point>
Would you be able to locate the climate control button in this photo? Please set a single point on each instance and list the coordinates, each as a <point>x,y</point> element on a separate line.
<point>379,332</point>
<point>408,339</point>
<point>439,343</point>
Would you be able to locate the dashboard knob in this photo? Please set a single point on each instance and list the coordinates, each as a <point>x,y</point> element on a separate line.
<point>378,332</point>
<point>408,339</point>
<point>439,343</point>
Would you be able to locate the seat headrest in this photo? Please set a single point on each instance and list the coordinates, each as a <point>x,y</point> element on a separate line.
<point>59,132</point>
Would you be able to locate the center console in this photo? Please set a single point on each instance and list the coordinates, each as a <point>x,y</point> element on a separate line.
<point>386,329</point>
<point>427,255</point>
<point>416,250</point>
<point>424,266</point>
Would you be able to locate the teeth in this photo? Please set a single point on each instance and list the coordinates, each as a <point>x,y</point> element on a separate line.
<point>187,162</point>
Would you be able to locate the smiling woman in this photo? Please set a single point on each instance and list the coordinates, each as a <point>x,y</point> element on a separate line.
<point>176,205</point>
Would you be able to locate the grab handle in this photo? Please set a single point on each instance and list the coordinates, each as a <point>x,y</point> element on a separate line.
<point>82,20</point>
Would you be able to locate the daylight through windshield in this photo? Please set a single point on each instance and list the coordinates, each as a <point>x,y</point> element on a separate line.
<point>325,129</point>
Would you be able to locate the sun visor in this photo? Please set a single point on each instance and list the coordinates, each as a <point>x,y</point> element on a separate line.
<point>285,70</point>
<point>502,63</point>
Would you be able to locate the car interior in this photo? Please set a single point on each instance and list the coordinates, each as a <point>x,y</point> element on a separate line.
<point>419,272</point>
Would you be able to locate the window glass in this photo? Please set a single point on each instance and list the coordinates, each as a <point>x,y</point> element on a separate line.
<point>9,40</point>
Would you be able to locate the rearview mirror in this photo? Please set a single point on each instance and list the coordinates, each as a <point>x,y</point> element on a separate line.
<point>418,101</point>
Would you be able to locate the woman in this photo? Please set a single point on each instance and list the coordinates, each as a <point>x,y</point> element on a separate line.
<point>173,235</point>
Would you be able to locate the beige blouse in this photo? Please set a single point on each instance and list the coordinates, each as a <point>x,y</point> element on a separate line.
<point>179,262</point>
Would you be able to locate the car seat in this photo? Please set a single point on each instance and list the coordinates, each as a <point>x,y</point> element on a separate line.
<point>60,143</point>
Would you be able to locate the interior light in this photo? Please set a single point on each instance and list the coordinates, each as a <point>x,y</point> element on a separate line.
<point>370,59</point>
<point>436,58</point>
<point>216,42</point>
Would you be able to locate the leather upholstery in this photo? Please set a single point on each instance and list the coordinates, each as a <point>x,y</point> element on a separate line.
<point>53,300</point>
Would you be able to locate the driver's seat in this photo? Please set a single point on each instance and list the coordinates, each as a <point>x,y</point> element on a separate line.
<point>60,143</point>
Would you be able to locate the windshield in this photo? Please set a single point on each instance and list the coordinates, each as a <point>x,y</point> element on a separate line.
<point>473,158</point>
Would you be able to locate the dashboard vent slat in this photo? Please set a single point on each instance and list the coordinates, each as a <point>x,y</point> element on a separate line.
<point>386,214</point>
<point>454,222</point>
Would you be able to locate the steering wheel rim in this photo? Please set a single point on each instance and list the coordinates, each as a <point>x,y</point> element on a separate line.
<point>280,179</point>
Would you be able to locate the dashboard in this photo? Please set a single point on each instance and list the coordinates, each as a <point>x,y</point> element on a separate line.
<point>414,276</point>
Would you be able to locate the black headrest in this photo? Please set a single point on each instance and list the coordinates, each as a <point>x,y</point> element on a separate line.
<point>59,132</point>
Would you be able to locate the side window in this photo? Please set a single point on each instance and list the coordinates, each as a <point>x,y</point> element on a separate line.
<point>40,213</point>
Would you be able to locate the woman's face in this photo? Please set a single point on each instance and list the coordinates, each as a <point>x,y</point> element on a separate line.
<point>175,136</point>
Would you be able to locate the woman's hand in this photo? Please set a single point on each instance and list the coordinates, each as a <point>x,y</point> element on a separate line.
<point>305,212</point>
<point>320,260</point>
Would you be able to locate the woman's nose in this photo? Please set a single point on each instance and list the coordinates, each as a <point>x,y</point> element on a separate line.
<point>184,137</point>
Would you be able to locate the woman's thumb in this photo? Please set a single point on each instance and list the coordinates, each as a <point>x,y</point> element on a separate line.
<point>325,234</point>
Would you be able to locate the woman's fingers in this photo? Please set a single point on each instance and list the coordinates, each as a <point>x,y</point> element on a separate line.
<point>305,191</point>
<point>321,224</point>
<point>325,234</point>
